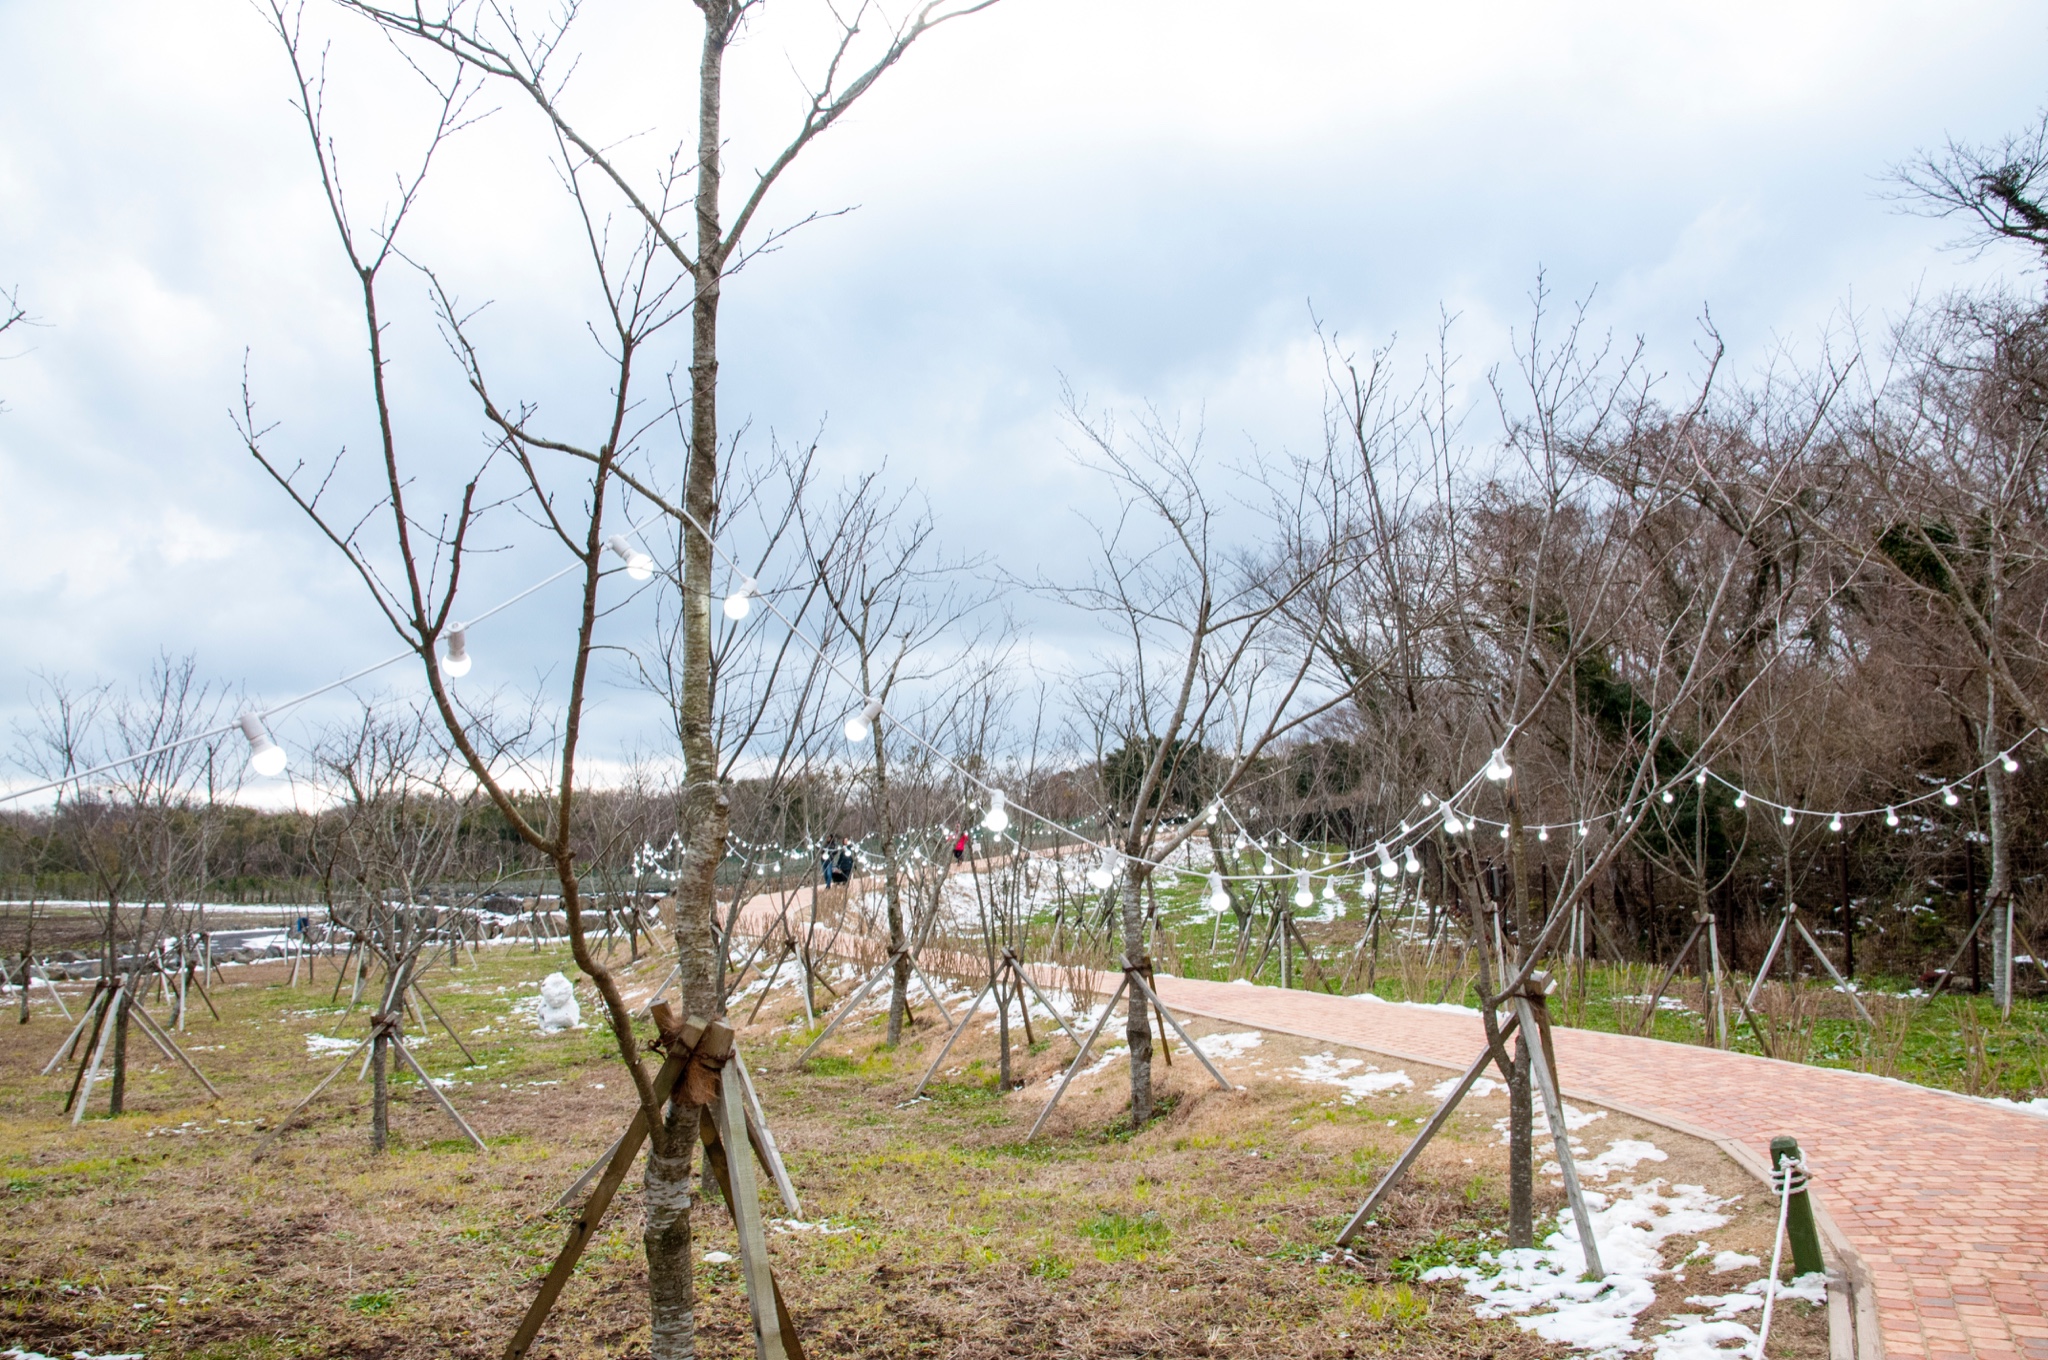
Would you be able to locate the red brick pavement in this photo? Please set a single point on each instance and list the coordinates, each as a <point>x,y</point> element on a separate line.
<point>1945,1198</point>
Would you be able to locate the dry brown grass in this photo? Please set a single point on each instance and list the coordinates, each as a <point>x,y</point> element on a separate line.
<point>1200,1235</point>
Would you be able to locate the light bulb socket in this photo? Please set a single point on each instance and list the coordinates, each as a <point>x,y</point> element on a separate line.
<point>458,660</point>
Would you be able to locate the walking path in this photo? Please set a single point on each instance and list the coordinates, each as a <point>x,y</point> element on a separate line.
<point>1941,1198</point>
<point>1937,1202</point>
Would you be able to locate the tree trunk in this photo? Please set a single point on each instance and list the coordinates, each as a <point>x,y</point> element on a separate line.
<point>1998,891</point>
<point>1138,1026</point>
<point>666,1233</point>
<point>1521,1151</point>
<point>380,1089</point>
<point>665,1236</point>
<point>117,1092</point>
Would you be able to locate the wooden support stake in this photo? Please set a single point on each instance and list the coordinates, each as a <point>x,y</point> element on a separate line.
<point>1079,1057</point>
<point>951,1039</point>
<point>435,1091</point>
<point>163,1041</point>
<point>592,1213</point>
<point>1530,1013</point>
<point>744,1200</point>
<point>784,1338</point>
<point>1429,1131</point>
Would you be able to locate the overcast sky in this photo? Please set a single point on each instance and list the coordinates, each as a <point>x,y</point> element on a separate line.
<point>1148,201</point>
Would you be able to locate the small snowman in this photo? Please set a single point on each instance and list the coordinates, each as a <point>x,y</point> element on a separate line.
<point>558,1008</point>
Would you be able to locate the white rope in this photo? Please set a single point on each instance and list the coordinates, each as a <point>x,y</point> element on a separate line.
<point>1788,1179</point>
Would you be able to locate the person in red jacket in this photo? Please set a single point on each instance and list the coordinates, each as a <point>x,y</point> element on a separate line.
<point>960,848</point>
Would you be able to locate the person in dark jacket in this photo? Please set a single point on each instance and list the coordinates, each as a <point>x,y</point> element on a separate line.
<point>845,863</point>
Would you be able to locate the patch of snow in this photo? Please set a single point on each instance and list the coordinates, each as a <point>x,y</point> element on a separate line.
<point>2038,1105</point>
<point>1481,1088</point>
<point>717,1258</point>
<point>1233,1045</point>
<point>1542,1287</point>
<point>824,1226</point>
<point>1623,1154</point>
<point>320,1046</point>
<point>1450,1006</point>
<point>1725,1261</point>
<point>1328,1069</point>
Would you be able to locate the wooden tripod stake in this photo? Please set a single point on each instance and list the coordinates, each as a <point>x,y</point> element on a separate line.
<point>1531,1014</point>
<point>1008,968</point>
<point>1134,985</point>
<point>700,1055</point>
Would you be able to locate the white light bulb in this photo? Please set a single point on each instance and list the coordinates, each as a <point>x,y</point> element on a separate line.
<point>1210,819</point>
<point>1667,797</point>
<point>998,818</point>
<point>1219,896</point>
<point>1452,824</point>
<point>1948,796</point>
<point>1582,831</point>
<point>1700,778</point>
<point>1387,869</point>
<point>2011,766</point>
<point>1102,875</point>
<point>1503,831</point>
<point>1741,801</point>
<point>639,565</point>
<point>458,661</point>
<point>862,723</point>
<point>1497,768</point>
<point>1304,896</point>
<point>1428,800</point>
<point>266,757</point>
<point>1542,833</point>
<point>1891,817</point>
<point>1412,864</point>
<point>1329,890</point>
<point>740,603</point>
<point>1835,823</point>
<point>1787,818</point>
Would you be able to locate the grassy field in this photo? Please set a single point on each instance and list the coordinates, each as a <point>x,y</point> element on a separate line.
<point>931,1229</point>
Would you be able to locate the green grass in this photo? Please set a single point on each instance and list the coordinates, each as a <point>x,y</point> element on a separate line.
<point>1126,1237</point>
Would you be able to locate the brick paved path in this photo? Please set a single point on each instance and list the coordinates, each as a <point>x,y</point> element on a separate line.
<point>1945,1198</point>
<point>1942,1198</point>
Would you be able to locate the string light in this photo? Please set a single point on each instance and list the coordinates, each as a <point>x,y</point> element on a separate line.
<point>1891,816</point>
<point>1700,779</point>
<point>1304,896</point>
<point>1503,831</point>
<point>998,818</point>
<point>1542,833</point>
<point>1835,822</point>
<point>1451,823</point>
<point>1497,768</point>
<point>458,661</point>
<point>1412,864</point>
<point>1387,869</point>
<point>1219,896</point>
<point>2011,765</point>
<point>1668,797</point>
<point>1582,831</point>
<point>862,723</point>
<point>1741,801</point>
<point>1787,818</point>
<point>740,603</point>
<point>1102,875</point>
<point>639,565</point>
<point>1329,890</point>
<point>266,757</point>
<point>1949,796</point>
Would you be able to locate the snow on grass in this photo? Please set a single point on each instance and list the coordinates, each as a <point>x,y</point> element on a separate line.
<point>321,1046</point>
<point>1543,1289</point>
<point>1327,1069</point>
<point>1481,1088</point>
<point>1224,1047</point>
